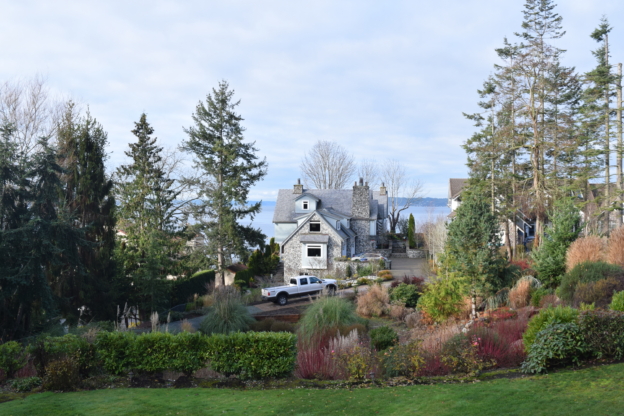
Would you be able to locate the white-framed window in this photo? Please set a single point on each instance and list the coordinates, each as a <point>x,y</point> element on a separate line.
<point>315,227</point>
<point>314,251</point>
<point>305,205</point>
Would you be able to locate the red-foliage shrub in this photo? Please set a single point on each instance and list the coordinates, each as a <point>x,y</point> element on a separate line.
<point>523,264</point>
<point>498,341</point>
<point>502,314</point>
<point>315,361</point>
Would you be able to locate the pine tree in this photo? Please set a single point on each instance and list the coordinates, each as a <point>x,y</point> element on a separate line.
<point>472,244</point>
<point>551,255</point>
<point>147,215</point>
<point>88,196</point>
<point>229,169</point>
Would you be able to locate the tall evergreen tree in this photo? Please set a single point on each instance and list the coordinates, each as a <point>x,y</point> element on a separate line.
<point>472,244</point>
<point>411,230</point>
<point>147,215</point>
<point>88,196</point>
<point>229,168</point>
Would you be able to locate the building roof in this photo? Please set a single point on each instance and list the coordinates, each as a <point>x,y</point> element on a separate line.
<point>334,201</point>
<point>314,238</point>
<point>456,185</point>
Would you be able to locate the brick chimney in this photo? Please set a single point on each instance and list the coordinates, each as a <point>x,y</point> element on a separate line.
<point>361,200</point>
<point>298,187</point>
<point>382,189</point>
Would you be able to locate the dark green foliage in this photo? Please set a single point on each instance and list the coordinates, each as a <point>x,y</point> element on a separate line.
<point>229,168</point>
<point>556,343</point>
<point>185,288</point>
<point>538,294</point>
<point>12,358</point>
<point>325,315</point>
<point>598,293</point>
<point>584,273</point>
<point>46,349</point>
<point>548,316</point>
<point>253,355</point>
<point>271,325</point>
<point>550,256</point>
<point>348,271</point>
<point>228,313</point>
<point>604,333</point>
<point>62,375</point>
<point>88,195</point>
<point>26,384</point>
<point>383,337</point>
<point>473,244</point>
<point>407,294</point>
<point>264,260</point>
<point>245,276</point>
<point>148,215</point>
<point>411,230</point>
<point>114,349</point>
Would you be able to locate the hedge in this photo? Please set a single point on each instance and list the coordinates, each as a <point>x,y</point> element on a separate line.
<point>250,355</point>
<point>184,289</point>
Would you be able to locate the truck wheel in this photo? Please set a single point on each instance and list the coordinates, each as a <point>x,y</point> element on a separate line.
<point>282,299</point>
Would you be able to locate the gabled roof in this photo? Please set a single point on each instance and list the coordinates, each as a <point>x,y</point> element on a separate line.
<point>307,220</point>
<point>307,195</point>
<point>455,187</point>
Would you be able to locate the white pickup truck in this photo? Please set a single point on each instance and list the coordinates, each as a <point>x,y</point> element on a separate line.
<point>299,286</point>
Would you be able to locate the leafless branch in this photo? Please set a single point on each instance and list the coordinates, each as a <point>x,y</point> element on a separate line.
<point>403,190</point>
<point>327,166</point>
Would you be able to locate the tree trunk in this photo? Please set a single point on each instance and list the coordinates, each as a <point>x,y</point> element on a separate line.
<point>607,149</point>
<point>619,148</point>
<point>473,304</point>
<point>508,240</point>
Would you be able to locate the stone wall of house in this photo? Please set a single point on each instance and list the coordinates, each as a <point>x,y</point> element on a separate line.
<point>292,251</point>
<point>415,254</point>
<point>362,240</point>
<point>360,207</point>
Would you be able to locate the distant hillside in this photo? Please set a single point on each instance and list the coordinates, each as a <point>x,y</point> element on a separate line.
<point>427,202</point>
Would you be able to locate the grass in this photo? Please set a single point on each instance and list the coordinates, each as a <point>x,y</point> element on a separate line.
<point>590,391</point>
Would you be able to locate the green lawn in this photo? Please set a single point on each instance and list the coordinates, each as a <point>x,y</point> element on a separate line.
<point>592,391</point>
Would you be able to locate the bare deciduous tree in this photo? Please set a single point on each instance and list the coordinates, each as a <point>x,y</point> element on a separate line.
<point>434,233</point>
<point>368,170</point>
<point>327,166</point>
<point>403,190</point>
<point>28,105</point>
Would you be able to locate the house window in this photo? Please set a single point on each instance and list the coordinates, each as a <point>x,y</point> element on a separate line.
<point>314,251</point>
<point>306,205</point>
<point>315,227</point>
<point>338,225</point>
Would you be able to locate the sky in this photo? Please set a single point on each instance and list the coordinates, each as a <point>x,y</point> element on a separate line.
<point>385,79</point>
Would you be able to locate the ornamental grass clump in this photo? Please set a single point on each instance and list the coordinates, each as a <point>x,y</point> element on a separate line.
<point>373,303</point>
<point>585,249</point>
<point>228,314</point>
<point>615,247</point>
<point>325,315</point>
<point>520,294</point>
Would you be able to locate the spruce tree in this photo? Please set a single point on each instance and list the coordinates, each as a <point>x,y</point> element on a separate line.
<point>88,196</point>
<point>147,209</point>
<point>551,255</point>
<point>472,244</point>
<point>229,169</point>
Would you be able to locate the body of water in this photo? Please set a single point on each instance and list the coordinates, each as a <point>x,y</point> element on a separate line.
<point>264,220</point>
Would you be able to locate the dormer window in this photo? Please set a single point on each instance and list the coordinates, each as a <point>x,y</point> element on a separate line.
<point>306,205</point>
<point>338,225</point>
<point>315,227</point>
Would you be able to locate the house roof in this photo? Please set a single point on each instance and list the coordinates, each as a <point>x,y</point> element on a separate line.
<point>314,238</point>
<point>307,195</point>
<point>335,201</point>
<point>455,186</point>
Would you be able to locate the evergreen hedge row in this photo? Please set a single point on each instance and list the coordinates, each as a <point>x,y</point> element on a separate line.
<point>250,355</point>
<point>184,289</point>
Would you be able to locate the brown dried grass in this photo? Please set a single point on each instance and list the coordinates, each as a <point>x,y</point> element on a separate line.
<point>615,247</point>
<point>434,340</point>
<point>413,320</point>
<point>549,300</point>
<point>398,312</point>
<point>584,249</point>
<point>374,302</point>
<point>187,326</point>
<point>520,294</point>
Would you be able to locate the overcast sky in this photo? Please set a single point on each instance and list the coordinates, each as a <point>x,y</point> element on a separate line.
<point>385,79</point>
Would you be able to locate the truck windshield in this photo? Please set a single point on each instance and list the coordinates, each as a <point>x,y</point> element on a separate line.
<point>315,280</point>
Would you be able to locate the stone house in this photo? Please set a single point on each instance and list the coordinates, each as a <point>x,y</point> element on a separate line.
<point>230,274</point>
<point>315,226</point>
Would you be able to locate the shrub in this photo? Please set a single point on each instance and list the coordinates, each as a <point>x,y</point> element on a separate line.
<point>597,293</point>
<point>374,302</point>
<point>442,298</point>
<point>152,352</point>
<point>584,273</point>
<point>252,355</point>
<point>187,352</point>
<point>279,326</point>
<point>114,349</point>
<point>520,293</point>
<point>364,271</point>
<point>356,361</point>
<point>538,294</point>
<point>12,358</point>
<point>557,342</point>
<point>324,315</point>
<point>585,249</point>
<point>62,375</point>
<point>615,247</point>
<point>227,315</point>
<point>617,303</point>
<point>406,294</point>
<point>603,332</point>
<point>461,355</point>
<point>558,315</point>
<point>185,288</point>
<point>405,360</point>
<point>46,349</point>
<point>26,384</point>
<point>383,337</point>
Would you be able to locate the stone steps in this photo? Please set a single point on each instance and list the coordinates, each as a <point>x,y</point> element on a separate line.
<point>399,255</point>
